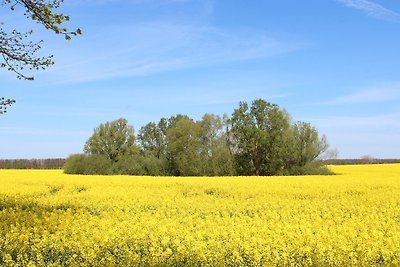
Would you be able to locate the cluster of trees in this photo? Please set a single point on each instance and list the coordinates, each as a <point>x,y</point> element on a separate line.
<point>32,163</point>
<point>258,139</point>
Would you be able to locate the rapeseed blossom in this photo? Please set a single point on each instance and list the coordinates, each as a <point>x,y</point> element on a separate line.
<point>48,218</point>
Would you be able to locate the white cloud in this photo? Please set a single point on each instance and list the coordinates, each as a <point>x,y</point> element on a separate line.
<point>372,9</point>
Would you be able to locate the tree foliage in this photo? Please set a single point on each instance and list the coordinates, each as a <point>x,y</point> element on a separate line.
<point>152,138</point>
<point>184,148</point>
<point>113,140</point>
<point>215,147</point>
<point>259,135</point>
<point>306,145</point>
<point>264,141</point>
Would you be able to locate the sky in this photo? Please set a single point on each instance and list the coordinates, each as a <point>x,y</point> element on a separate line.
<point>333,63</point>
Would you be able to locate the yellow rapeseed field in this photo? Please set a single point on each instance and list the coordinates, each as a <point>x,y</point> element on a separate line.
<point>48,218</point>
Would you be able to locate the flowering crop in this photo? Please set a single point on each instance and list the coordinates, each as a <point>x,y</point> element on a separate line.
<point>48,218</point>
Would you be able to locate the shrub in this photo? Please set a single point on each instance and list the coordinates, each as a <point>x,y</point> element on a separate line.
<point>87,164</point>
<point>131,165</point>
<point>97,164</point>
<point>311,168</point>
<point>75,164</point>
<point>154,166</point>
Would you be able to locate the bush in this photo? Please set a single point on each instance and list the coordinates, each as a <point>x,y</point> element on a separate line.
<point>101,165</point>
<point>131,165</point>
<point>154,166</point>
<point>311,168</point>
<point>87,164</point>
<point>150,165</point>
<point>75,164</point>
<point>96,164</point>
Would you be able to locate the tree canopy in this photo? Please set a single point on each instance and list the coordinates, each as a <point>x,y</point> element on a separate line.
<point>259,135</point>
<point>112,139</point>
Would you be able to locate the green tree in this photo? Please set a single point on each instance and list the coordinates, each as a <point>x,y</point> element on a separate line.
<point>153,145</point>
<point>214,147</point>
<point>152,139</point>
<point>112,139</point>
<point>153,142</point>
<point>184,148</point>
<point>258,136</point>
<point>181,146</point>
<point>173,121</point>
<point>306,144</point>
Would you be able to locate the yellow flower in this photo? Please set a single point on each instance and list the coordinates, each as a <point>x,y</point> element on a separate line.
<point>48,218</point>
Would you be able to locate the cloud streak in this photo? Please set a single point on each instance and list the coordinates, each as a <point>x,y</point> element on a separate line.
<point>359,123</point>
<point>41,132</point>
<point>195,96</point>
<point>372,9</point>
<point>377,94</point>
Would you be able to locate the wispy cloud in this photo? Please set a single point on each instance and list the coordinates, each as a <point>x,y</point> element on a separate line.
<point>41,132</point>
<point>134,45</point>
<point>154,47</point>
<point>373,9</point>
<point>134,2</point>
<point>359,123</point>
<point>383,93</point>
<point>195,96</point>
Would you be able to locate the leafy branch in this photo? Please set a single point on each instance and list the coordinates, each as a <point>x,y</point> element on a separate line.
<point>4,103</point>
<point>19,53</point>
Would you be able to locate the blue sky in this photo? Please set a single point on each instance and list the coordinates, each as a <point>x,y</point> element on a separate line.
<point>334,63</point>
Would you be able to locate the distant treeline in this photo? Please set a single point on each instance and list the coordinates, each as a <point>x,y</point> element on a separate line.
<point>360,161</point>
<point>32,163</point>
